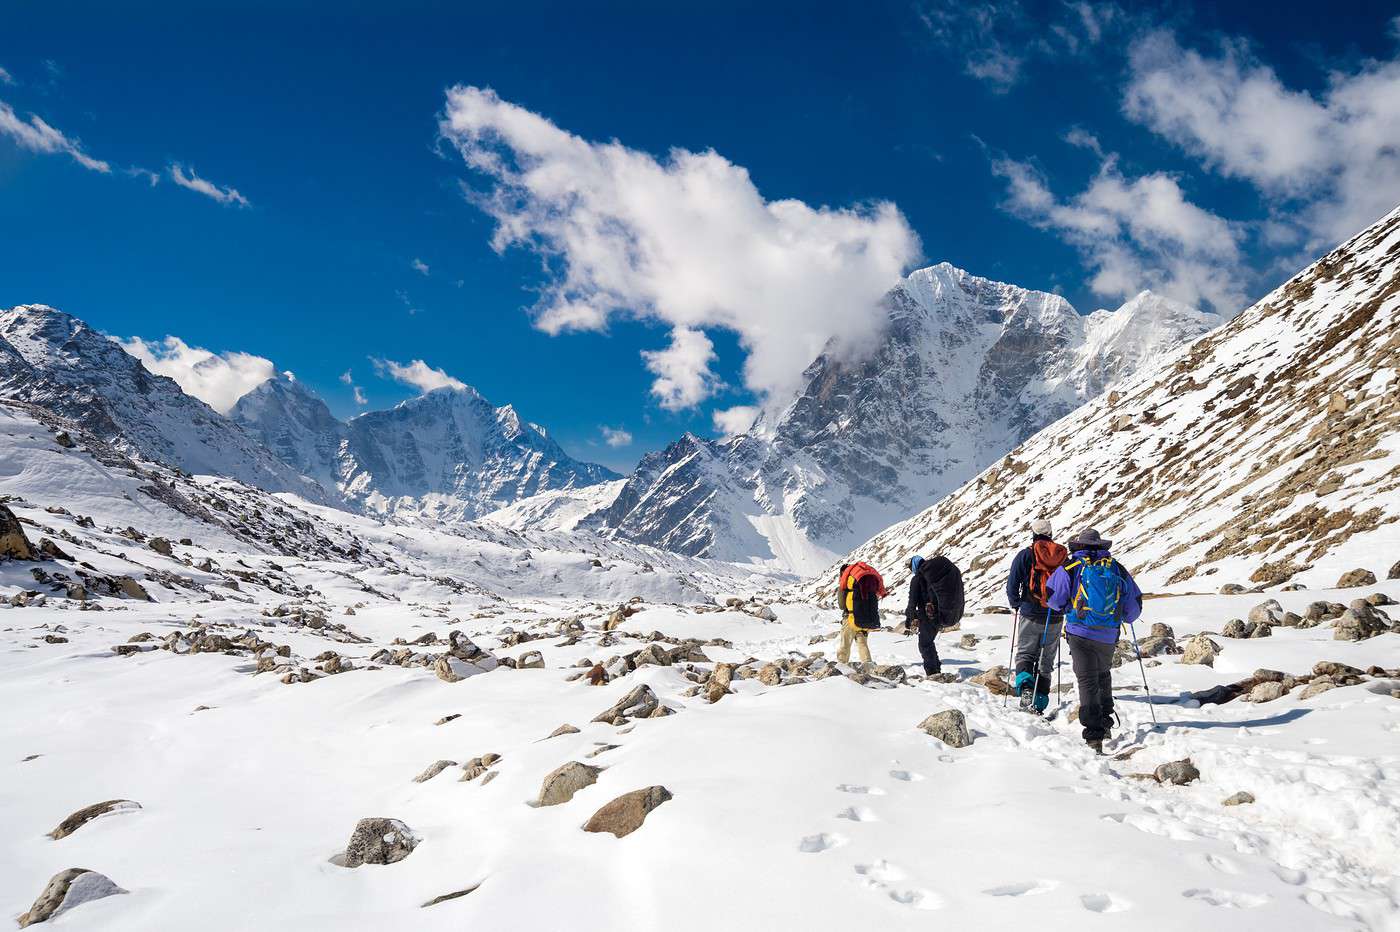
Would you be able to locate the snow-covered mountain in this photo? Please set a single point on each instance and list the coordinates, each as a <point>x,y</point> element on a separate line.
<point>967,369</point>
<point>53,359</point>
<point>447,454</point>
<point>1265,452</point>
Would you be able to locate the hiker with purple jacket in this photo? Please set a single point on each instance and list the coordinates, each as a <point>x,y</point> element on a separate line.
<point>1098,596</point>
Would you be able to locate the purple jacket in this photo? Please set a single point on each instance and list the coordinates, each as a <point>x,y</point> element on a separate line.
<point>1061,589</point>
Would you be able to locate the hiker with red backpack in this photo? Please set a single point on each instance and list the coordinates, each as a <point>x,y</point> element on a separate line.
<point>1098,596</point>
<point>1038,627</point>
<point>859,592</point>
<point>935,603</point>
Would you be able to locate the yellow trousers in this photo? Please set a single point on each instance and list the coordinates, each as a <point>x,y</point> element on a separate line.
<point>850,633</point>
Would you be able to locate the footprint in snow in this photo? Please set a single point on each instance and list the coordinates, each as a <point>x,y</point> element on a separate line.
<point>860,790</point>
<point>1104,903</point>
<point>1023,888</point>
<point>1230,899</point>
<point>1222,864</point>
<point>823,841</point>
<point>907,776</point>
<point>881,871</point>
<point>918,899</point>
<point>1290,876</point>
<point>858,814</point>
<point>1077,790</point>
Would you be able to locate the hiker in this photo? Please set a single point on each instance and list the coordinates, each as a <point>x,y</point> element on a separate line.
<point>935,603</point>
<point>859,593</point>
<point>1098,596</point>
<point>1038,627</point>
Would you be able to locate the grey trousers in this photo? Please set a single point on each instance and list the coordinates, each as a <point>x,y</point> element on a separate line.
<point>1031,637</point>
<point>1093,667</point>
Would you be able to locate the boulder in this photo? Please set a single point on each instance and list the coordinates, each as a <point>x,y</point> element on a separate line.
<point>433,770</point>
<point>1353,578</point>
<point>564,729</point>
<point>1234,628</point>
<point>968,641</point>
<point>530,660</point>
<point>562,783</point>
<point>1231,589</point>
<point>639,703</point>
<point>654,655</point>
<point>1267,613</point>
<point>1238,799</point>
<point>1316,687</point>
<point>1334,668</point>
<point>85,815</point>
<point>1266,692</point>
<point>13,542</point>
<point>616,618</point>
<point>1260,630</point>
<point>1200,650</point>
<point>53,551</point>
<point>717,687</point>
<point>1177,772</point>
<point>993,680</point>
<point>1394,571</point>
<point>948,726</point>
<point>131,588</point>
<point>625,815</point>
<point>770,674</point>
<point>66,890</point>
<point>379,841</point>
<point>161,546</point>
<point>478,766</point>
<point>1359,622</point>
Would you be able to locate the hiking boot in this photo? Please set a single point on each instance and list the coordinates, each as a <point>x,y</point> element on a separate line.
<point>1096,747</point>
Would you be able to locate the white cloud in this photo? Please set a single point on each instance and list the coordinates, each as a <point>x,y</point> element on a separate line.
<point>616,437</point>
<point>418,374</point>
<point>195,183</point>
<point>682,370</point>
<point>151,177</point>
<point>359,394</point>
<point>1083,139</point>
<point>5,77</point>
<point>686,240</point>
<point>217,379</point>
<point>419,266</point>
<point>1137,233</point>
<point>1331,159</point>
<point>37,136</point>
<point>734,421</point>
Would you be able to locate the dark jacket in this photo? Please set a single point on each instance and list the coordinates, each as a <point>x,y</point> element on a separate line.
<point>1018,587</point>
<point>1065,581</point>
<point>937,586</point>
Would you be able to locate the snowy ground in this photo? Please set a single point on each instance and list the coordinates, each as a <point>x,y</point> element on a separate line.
<point>816,805</point>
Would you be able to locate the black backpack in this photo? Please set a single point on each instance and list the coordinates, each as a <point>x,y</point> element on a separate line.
<point>944,584</point>
<point>865,603</point>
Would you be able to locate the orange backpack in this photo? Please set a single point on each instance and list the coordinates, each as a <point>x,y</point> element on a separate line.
<point>862,588</point>
<point>1046,557</point>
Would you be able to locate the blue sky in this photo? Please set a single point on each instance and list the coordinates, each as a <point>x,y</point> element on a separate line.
<point>274,179</point>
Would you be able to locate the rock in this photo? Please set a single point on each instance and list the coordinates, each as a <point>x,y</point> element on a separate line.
<point>63,439</point>
<point>85,815</point>
<point>1162,630</point>
<point>1333,668</point>
<point>565,729</point>
<point>451,896</point>
<point>13,542</point>
<point>1238,799</point>
<point>478,766</point>
<point>761,611</point>
<point>450,669</point>
<point>161,546</point>
<point>1291,619</point>
<point>66,890</point>
<point>132,589</point>
<point>770,674</point>
<point>1200,650</point>
<point>1358,623</point>
<point>433,770</point>
<point>653,655</point>
<point>379,841</point>
<point>1266,692</point>
<point>1316,687</point>
<point>718,685</point>
<point>1260,630</point>
<point>968,641</point>
<point>530,660</point>
<point>993,680</point>
<point>639,703</point>
<point>1234,628</point>
<point>448,718</point>
<point>1231,589</point>
<point>1177,772</point>
<point>1267,613</point>
<point>625,815</point>
<point>1394,571</point>
<point>1353,578</point>
<point>1375,598</point>
<point>616,618</point>
<point>948,726</point>
<point>562,783</point>
<point>53,551</point>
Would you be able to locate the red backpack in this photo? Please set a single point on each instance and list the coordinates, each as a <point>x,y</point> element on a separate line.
<point>1046,557</point>
<point>861,590</point>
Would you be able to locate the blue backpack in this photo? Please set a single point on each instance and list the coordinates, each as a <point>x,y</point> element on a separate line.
<point>1095,602</point>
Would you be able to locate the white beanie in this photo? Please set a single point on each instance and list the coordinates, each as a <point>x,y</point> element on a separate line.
<point>1041,526</point>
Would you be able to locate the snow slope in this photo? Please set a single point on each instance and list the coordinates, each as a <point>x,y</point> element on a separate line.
<point>1267,451</point>
<point>967,369</point>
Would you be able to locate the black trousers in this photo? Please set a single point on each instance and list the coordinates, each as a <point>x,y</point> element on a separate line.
<point>1093,667</point>
<point>928,630</point>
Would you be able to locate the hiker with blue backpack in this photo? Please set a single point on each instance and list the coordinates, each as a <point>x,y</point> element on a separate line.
<point>1036,642</point>
<point>1098,596</point>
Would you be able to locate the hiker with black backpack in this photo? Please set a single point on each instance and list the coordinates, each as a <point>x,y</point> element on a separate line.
<point>859,591</point>
<point>935,603</point>
<point>1098,596</point>
<point>1037,635</point>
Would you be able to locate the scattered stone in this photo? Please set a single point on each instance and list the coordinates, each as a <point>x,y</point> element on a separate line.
<point>968,641</point>
<point>639,703</point>
<point>451,896</point>
<point>433,770</point>
<point>563,730</point>
<point>597,676</point>
<point>161,546</point>
<point>85,815</point>
<point>13,542</point>
<point>1234,628</point>
<point>562,783</point>
<point>379,841</point>
<point>1231,589</point>
<point>1316,687</point>
<point>1241,798</point>
<point>132,589</point>
<point>530,660</point>
<point>63,439</point>
<point>948,726</point>
<point>1359,622</point>
<point>625,815</point>
<point>1267,613</point>
<point>1200,650</point>
<point>1177,772</point>
<point>718,685</point>
<point>1334,668</point>
<point>652,654</point>
<point>66,890</point>
<point>1266,692</point>
<point>478,766</point>
<point>1394,571</point>
<point>994,680</point>
<point>1353,578</point>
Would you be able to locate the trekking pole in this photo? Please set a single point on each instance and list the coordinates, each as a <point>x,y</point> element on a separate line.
<point>1059,679</point>
<point>1011,654</point>
<point>1143,669</point>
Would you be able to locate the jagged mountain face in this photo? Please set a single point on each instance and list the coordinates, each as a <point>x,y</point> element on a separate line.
<point>54,360</point>
<point>968,369</point>
<point>446,454</point>
<point>1264,452</point>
